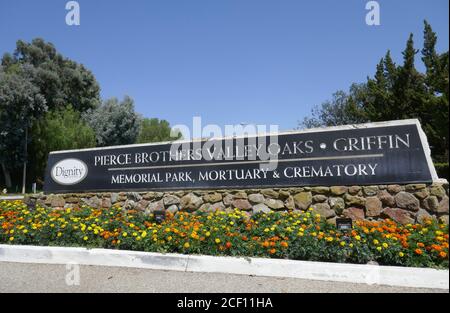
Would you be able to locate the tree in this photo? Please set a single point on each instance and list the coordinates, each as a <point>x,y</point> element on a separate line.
<point>155,130</point>
<point>20,104</point>
<point>60,80</point>
<point>437,86</point>
<point>344,108</point>
<point>114,122</point>
<point>398,92</point>
<point>59,130</point>
<point>36,79</point>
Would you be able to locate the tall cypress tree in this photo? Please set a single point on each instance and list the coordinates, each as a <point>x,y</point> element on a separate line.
<point>437,87</point>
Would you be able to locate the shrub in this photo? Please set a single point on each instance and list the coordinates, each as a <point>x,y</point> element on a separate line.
<point>300,236</point>
<point>442,170</point>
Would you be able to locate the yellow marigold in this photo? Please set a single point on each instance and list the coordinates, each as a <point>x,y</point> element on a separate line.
<point>385,245</point>
<point>85,238</point>
<point>358,237</point>
<point>342,243</point>
<point>187,245</point>
<point>401,254</point>
<point>379,248</point>
<point>375,242</point>
<point>217,240</point>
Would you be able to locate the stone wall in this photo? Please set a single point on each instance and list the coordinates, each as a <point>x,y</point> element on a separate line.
<point>402,203</point>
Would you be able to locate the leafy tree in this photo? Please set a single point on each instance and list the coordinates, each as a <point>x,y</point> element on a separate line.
<point>155,130</point>
<point>59,130</point>
<point>60,80</point>
<point>114,122</point>
<point>344,108</point>
<point>35,79</point>
<point>20,104</point>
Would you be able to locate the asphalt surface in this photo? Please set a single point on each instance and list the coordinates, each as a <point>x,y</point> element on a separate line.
<point>30,278</point>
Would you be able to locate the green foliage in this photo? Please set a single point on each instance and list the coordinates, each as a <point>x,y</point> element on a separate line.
<point>155,130</point>
<point>344,108</point>
<point>398,92</point>
<point>33,80</point>
<point>60,80</point>
<point>442,170</point>
<point>293,235</point>
<point>114,122</point>
<point>20,104</point>
<point>59,130</point>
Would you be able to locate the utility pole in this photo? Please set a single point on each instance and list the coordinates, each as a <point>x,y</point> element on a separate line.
<point>24,177</point>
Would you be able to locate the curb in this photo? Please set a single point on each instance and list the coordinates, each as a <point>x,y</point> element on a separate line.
<point>324,271</point>
<point>12,197</point>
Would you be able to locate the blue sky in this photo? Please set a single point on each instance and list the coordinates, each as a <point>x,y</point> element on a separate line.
<point>228,61</point>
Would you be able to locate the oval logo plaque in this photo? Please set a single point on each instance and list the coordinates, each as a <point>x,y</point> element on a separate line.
<point>69,171</point>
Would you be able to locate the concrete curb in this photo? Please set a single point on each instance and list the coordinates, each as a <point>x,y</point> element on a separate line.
<point>350,273</point>
<point>11,198</point>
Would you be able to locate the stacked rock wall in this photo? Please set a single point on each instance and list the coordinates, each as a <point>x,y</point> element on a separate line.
<point>402,203</point>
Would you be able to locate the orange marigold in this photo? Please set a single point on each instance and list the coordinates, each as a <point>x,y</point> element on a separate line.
<point>418,251</point>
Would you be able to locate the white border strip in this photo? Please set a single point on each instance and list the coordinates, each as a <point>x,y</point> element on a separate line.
<point>349,273</point>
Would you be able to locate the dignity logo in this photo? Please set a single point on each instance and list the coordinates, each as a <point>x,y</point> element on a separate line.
<point>69,171</point>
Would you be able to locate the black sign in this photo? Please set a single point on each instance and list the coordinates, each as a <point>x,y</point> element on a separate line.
<point>367,154</point>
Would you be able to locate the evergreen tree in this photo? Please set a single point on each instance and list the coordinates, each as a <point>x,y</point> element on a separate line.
<point>399,92</point>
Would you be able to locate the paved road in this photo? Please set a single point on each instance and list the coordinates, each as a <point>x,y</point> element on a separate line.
<point>19,277</point>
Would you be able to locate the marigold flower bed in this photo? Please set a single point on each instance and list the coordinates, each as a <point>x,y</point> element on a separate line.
<point>293,235</point>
